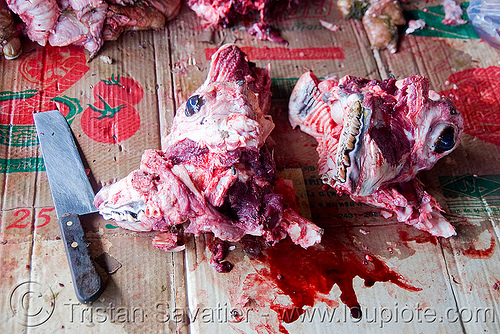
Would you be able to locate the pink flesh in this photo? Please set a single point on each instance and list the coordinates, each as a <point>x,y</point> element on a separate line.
<point>204,163</point>
<point>226,12</point>
<point>68,30</point>
<point>452,13</point>
<point>40,17</point>
<point>81,22</point>
<point>400,125</point>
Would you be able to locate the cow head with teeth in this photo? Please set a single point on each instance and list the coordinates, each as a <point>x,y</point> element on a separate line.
<point>215,173</point>
<point>375,136</point>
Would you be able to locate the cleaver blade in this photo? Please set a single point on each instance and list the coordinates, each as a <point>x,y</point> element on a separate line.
<point>72,195</point>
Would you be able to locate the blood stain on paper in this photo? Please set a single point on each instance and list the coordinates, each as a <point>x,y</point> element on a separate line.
<point>475,253</point>
<point>307,276</point>
<point>421,238</point>
<point>472,240</point>
<point>287,281</point>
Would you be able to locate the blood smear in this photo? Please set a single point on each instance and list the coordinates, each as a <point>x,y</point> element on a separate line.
<point>475,253</point>
<point>307,276</point>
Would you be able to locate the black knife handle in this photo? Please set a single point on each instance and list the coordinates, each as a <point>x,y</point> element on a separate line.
<point>86,280</point>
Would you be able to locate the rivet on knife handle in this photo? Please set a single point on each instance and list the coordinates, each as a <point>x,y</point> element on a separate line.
<point>86,280</point>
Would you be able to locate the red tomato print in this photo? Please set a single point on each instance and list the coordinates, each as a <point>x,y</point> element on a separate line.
<point>119,90</point>
<point>477,95</point>
<point>112,118</point>
<point>110,123</point>
<point>54,69</point>
<point>51,71</point>
<point>20,111</point>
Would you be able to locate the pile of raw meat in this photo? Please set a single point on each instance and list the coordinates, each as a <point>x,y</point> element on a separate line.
<point>226,12</point>
<point>216,173</point>
<point>89,22</point>
<point>375,136</point>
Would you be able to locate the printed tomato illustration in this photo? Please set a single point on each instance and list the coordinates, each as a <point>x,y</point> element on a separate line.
<point>112,118</point>
<point>51,71</point>
<point>19,110</point>
<point>54,69</point>
<point>121,89</point>
<point>110,123</point>
<point>476,95</point>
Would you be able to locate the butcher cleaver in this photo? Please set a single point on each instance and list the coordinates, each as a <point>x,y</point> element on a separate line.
<point>72,195</point>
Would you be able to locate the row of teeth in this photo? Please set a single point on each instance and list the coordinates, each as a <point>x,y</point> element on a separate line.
<point>123,215</point>
<point>347,140</point>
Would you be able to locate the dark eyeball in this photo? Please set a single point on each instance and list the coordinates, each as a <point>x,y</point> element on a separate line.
<point>193,105</point>
<point>445,141</point>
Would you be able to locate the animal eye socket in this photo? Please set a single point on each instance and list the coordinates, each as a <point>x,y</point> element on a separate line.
<point>193,105</point>
<point>446,140</point>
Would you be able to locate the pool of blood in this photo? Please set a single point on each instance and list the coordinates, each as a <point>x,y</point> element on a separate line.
<point>308,276</point>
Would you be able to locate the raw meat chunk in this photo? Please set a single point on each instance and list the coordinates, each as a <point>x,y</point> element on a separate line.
<point>375,136</point>
<point>216,171</point>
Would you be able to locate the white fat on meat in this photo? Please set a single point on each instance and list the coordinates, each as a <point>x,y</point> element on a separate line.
<point>452,13</point>
<point>229,118</point>
<point>210,14</point>
<point>68,30</point>
<point>169,8</point>
<point>40,17</point>
<point>80,23</point>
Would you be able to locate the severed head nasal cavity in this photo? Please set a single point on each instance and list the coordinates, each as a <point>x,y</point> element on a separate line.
<point>193,105</point>
<point>445,141</point>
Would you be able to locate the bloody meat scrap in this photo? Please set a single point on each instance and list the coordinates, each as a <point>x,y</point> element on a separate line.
<point>380,19</point>
<point>226,12</point>
<point>216,171</point>
<point>90,22</point>
<point>375,136</point>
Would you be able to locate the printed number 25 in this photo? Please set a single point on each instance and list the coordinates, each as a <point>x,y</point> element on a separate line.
<point>23,221</point>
